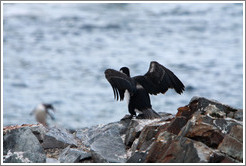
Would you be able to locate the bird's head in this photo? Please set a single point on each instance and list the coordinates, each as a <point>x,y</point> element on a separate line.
<point>49,106</point>
<point>125,70</point>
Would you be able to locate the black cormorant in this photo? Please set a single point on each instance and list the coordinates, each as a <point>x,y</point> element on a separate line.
<point>136,89</point>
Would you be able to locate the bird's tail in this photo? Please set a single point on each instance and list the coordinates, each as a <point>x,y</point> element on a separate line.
<point>148,114</point>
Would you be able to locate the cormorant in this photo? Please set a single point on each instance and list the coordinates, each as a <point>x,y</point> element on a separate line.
<point>157,80</point>
<point>41,111</point>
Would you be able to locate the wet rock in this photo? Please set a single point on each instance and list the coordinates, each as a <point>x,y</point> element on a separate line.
<point>58,138</point>
<point>70,155</point>
<point>21,145</point>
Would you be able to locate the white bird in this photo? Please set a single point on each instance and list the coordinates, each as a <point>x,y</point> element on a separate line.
<point>41,111</point>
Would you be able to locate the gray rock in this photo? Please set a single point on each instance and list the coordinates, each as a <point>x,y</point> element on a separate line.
<point>21,145</point>
<point>137,157</point>
<point>58,138</point>
<point>105,142</point>
<point>51,160</point>
<point>224,125</point>
<point>24,157</point>
<point>89,135</point>
<point>212,105</point>
<point>134,129</point>
<point>109,147</point>
<point>70,155</point>
<point>39,131</point>
<point>239,115</point>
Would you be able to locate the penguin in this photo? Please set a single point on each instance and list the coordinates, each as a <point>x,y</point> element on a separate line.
<point>41,111</point>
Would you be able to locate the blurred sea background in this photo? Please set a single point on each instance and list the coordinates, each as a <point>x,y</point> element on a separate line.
<point>57,53</point>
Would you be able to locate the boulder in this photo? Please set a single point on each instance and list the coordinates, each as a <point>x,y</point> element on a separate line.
<point>232,147</point>
<point>58,138</point>
<point>21,145</point>
<point>204,131</point>
<point>134,128</point>
<point>105,142</point>
<point>70,155</point>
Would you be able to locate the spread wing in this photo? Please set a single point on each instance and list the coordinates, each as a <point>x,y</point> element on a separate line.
<point>120,82</point>
<point>159,79</point>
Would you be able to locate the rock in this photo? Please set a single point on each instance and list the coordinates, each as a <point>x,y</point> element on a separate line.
<point>51,160</point>
<point>105,142</point>
<point>176,124</point>
<point>232,147</point>
<point>237,132</point>
<point>148,134</point>
<point>177,150</point>
<point>24,157</point>
<point>89,135</point>
<point>210,106</point>
<point>70,155</point>
<point>58,138</point>
<point>238,115</point>
<point>109,147</point>
<point>204,131</point>
<point>134,129</point>
<point>21,145</point>
<point>137,157</point>
<point>39,131</point>
<point>224,125</point>
<point>185,112</point>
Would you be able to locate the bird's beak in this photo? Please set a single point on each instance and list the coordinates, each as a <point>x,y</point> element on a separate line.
<point>53,109</point>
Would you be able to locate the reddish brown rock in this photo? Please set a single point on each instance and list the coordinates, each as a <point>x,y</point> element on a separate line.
<point>237,132</point>
<point>184,111</point>
<point>180,150</point>
<point>205,133</point>
<point>232,147</point>
<point>177,124</point>
<point>147,136</point>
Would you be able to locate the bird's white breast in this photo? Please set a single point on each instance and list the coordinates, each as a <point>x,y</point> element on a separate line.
<point>127,96</point>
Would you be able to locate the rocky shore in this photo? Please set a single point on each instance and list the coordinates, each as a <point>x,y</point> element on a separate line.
<point>204,131</point>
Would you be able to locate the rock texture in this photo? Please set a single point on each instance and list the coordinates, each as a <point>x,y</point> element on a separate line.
<point>204,131</point>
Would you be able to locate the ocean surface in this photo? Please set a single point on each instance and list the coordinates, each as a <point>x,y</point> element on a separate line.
<point>57,53</point>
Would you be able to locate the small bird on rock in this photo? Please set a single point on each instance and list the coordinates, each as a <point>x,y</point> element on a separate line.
<point>136,89</point>
<point>41,111</point>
